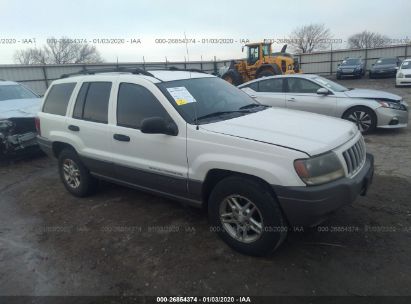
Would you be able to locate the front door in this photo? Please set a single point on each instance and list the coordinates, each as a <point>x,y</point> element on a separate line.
<point>153,161</point>
<point>302,95</point>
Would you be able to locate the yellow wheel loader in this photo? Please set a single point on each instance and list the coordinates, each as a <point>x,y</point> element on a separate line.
<point>261,62</point>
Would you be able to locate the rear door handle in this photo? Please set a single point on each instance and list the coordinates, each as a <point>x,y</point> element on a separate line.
<point>291,99</point>
<point>73,128</point>
<point>121,137</point>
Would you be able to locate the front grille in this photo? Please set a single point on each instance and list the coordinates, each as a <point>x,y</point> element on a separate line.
<point>355,157</point>
<point>408,76</point>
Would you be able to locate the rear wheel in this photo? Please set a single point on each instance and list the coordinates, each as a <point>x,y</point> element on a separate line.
<point>266,73</point>
<point>246,216</point>
<point>74,174</point>
<point>233,77</point>
<point>363,117</point>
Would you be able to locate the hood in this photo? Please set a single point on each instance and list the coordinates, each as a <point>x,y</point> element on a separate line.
<point>14,108</point>
<point>307,132</point>
<point>390,66</point>
<point>373,94</point>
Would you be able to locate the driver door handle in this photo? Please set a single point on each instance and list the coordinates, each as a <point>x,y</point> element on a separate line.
<point>291,99</point>
<point>121,137</point>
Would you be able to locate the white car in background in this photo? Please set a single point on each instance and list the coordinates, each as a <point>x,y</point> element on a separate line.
<point>18,107</point>
<point>368,109</point>
<point>404,74</point>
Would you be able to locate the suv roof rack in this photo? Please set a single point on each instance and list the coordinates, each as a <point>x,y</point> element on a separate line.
<point>117,69</point>
<point>173,68</point>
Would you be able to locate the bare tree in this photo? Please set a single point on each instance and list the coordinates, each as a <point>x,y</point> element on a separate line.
<point>59,51</point>
<point>309,38</point>
<point>367,39</point>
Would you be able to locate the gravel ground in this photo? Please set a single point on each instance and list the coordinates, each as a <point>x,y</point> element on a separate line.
<point>125,242</point>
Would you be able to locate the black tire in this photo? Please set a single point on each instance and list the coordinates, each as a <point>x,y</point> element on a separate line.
<point>87,183</point>
<point>353,113</point>
<point>233,77</point>
<point>266,73</point>
<point>370,75</point>
<point>338,77</point>
<point>273,224</point>
<point>269,71</point>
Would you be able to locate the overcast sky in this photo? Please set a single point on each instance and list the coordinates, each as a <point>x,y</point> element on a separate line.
<point>149,20</point>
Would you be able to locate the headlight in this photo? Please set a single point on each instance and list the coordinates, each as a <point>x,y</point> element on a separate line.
<point>319,170</point>
<point>400,75</point>
<point>392,105</point>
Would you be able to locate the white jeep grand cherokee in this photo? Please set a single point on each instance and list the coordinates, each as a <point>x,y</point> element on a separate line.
<point>193,137</point>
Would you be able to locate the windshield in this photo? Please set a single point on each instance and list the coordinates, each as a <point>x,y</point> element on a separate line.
<point>406,65</point>
<point>333,86</point>
<point>199,97</point>
<point>15,91</point>
<point>386,61</point>
<point>350,62</point>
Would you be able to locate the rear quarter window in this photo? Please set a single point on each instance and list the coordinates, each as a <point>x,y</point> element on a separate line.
<point>58,98</point>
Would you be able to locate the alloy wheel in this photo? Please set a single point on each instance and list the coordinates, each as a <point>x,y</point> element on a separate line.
<point>241,218</point>
<point>71,173</point>
<point>361,119</point>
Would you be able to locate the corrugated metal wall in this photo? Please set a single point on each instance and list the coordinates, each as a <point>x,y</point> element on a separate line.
<point>325,63</point>
<point>39,77</point>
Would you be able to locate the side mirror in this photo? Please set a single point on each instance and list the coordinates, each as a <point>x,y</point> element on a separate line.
<point>242,49</point>
<point>323,91</point>
<point>373,64</point>
<point>338,64</point>
<point>158,125</point>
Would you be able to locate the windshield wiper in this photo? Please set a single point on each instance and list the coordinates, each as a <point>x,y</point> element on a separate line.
<point>252,105</point>
<point>216,114</point>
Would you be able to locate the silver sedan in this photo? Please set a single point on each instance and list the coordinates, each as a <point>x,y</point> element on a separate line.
<point>369,109</point>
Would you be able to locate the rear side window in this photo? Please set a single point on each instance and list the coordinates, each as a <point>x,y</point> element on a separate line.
<point>135,103</point>
<point>253,86</point>
<point>92,102</point>
<point>271,85</point>
<point>58,98</point>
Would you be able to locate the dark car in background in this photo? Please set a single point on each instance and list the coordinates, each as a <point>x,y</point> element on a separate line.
<point>351,67</point>
<point>18,108</point>
<point>384,67</point>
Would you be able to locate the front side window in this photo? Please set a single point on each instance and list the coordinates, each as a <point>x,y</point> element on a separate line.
<point>299,85</point>
<point>266,50</point>
<point>253,54</point>
<point>333,86</point>
<point>274,85</point>
<point>92,102</point>
<point>135,103</point>
<point>58,98</point>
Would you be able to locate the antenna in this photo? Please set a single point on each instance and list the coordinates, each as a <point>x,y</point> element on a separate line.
<point>188,59</point>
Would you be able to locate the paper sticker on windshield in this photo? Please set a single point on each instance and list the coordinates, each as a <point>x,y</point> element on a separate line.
<point>181,95</point>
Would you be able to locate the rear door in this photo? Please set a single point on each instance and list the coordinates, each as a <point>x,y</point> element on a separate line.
<point>302,95</point>
<point>88,125</point>
<point>268,92</point>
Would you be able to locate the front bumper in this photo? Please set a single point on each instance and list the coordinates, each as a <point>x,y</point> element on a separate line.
<point>391,118</point>
<point>349,73</point>
<point>377,73</point>
<point>309,206</point>
<point>403,81</point>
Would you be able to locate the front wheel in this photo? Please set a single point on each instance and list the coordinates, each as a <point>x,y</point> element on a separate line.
<point>363,117</point>
<point>247,216</point>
